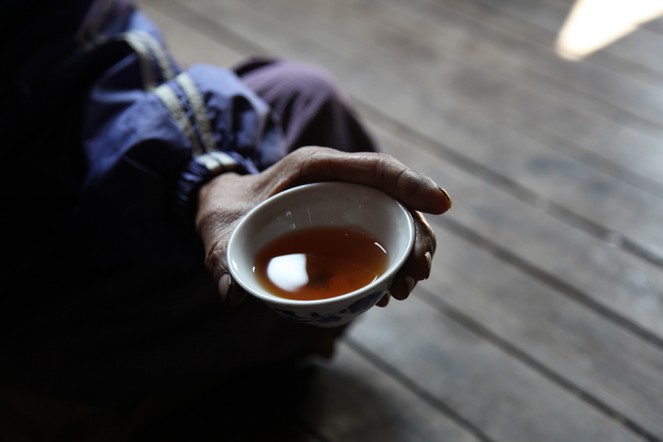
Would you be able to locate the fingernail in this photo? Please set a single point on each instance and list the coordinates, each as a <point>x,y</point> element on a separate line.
<point>446,195</point>
<point>410,283</point>
<point>429,262</point>
<point>225,281</point>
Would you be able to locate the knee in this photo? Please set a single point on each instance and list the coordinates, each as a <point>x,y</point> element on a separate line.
<point>309,85</point>
<point>313,81</point>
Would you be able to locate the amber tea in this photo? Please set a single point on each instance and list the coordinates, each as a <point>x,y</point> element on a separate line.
<point>319,263</point>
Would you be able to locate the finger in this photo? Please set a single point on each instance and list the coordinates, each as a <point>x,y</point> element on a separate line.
<point>415,190</point>
<point>402,287</point>
<point>231,293</point>
<point>420,261</point>
<point>383,301</point>
<point>418,265</point>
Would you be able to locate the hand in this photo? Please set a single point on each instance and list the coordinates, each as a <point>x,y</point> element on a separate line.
<point>226,198</point>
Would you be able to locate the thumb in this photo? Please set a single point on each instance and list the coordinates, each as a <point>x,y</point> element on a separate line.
<point>414,189</point>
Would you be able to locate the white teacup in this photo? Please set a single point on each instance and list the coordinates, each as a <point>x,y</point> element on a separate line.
<point>328,204</point>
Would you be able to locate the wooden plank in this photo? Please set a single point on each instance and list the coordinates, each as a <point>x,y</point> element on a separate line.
<point>634,55</point>
<point>608,278</point>
<point>384,409</point>
<point>655,25</point>
<point>625,402</point>
<point>528,336</point>
<point>592,353</point>
<point>542,108</point>
<point>345,400</point>
<point>545,118</point>
<point>511,53</point>
<point>605,365</point>
<point>591,195</point>
<point>637,97</point>
<point>352,400</point>
<point>188,45</point>
<point>482,109</point>
<point>608,367</point>
<point>545,98</point>
<point>587,269</point>
<point>503,397</point>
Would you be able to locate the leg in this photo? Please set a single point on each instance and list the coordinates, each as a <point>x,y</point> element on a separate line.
<point>306,101</point>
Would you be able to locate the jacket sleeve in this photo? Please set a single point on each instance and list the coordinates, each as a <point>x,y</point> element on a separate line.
<point>153,133</point>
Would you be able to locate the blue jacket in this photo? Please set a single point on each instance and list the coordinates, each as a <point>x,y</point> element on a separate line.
<point>106,140</point>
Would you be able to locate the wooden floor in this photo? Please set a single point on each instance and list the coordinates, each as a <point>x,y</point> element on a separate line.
<point>543,319</point>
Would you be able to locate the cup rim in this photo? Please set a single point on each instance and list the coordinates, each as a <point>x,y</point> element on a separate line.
<point>277,198</point>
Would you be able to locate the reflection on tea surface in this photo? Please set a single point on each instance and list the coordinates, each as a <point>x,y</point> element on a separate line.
<point>320,263</point>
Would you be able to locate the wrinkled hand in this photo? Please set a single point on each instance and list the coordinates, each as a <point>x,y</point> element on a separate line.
<point>226,198</point>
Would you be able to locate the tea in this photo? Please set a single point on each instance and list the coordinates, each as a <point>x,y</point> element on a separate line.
<point>319,263</point>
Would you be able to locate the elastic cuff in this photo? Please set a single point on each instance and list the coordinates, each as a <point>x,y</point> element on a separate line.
<point>199,171</point>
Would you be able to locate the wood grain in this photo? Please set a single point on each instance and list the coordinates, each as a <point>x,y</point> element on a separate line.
<point>541,320</point>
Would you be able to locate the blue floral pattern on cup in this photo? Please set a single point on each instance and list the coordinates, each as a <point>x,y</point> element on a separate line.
<point>331,319</point>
